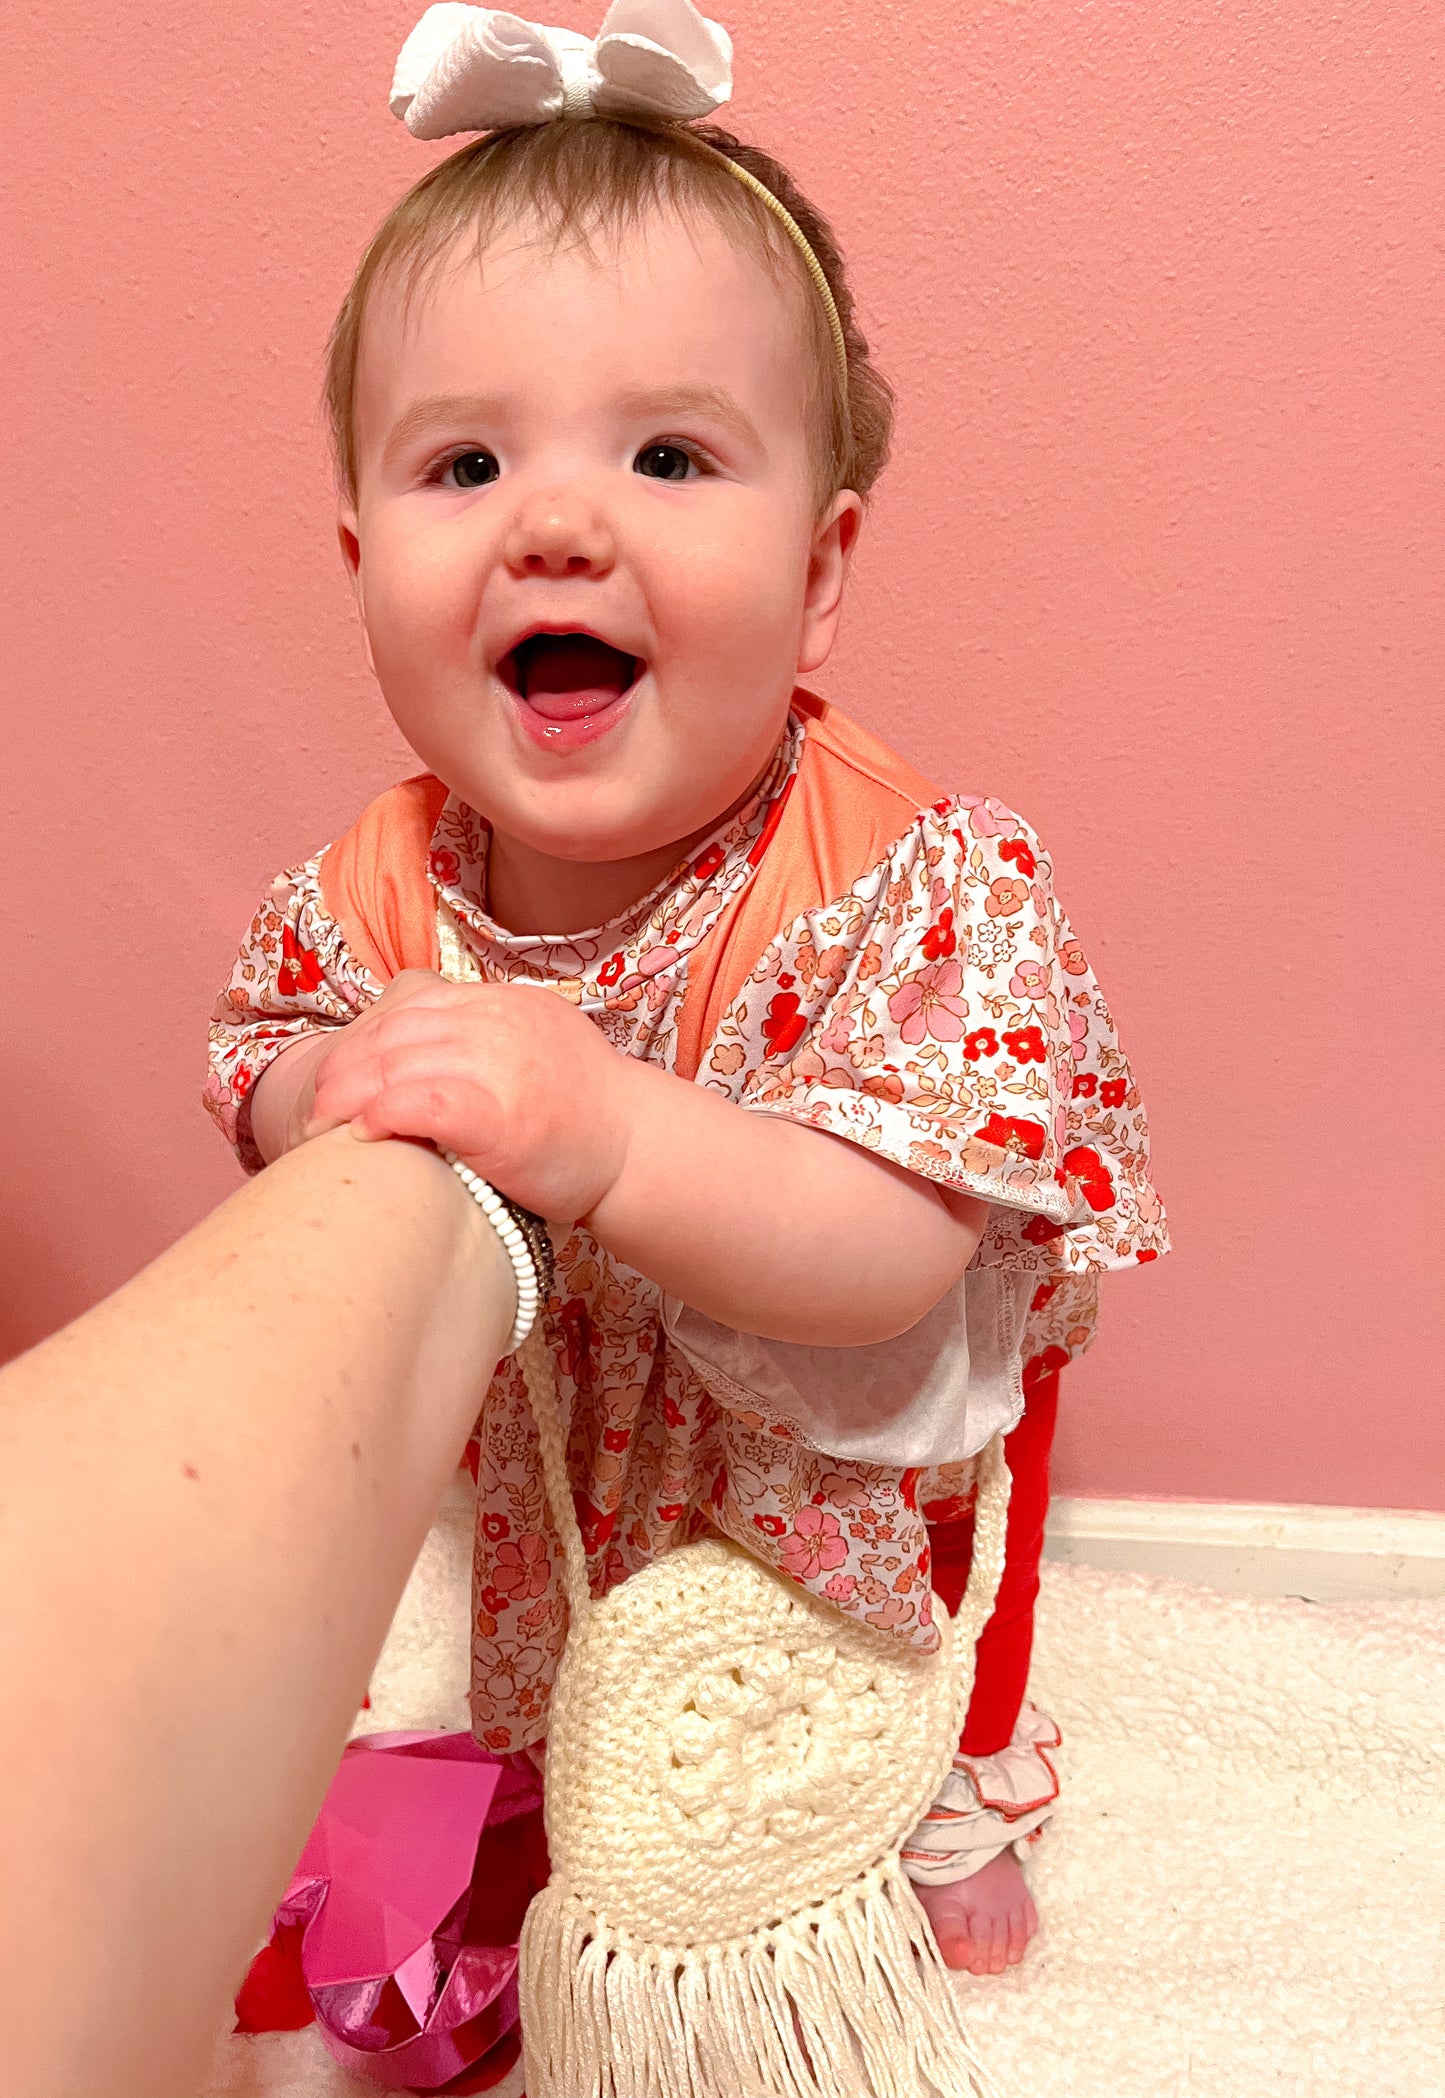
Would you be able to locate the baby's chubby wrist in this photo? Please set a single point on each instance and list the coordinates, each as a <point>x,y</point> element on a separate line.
<point>515,1080</point>
<point>281,1097</point>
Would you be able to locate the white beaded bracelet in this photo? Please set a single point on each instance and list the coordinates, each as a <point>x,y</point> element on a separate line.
<point>502,1216</point>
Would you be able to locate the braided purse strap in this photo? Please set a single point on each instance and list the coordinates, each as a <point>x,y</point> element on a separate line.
<point>459,965</point>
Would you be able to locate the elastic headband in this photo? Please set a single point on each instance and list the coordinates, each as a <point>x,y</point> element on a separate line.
<point>479,69</point>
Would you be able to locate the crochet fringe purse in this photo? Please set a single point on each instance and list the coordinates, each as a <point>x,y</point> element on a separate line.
<point>732,1770</point>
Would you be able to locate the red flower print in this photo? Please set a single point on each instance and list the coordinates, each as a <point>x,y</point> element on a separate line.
<point>616,1438</point>
<point>1093,1177</point>
<point>940,940</point>
<point>495,1528</point>
<point>720,1486</point>
<point>786,982</point>
<point>596,1527</point>
<point>577,1340</point>
<point>610,971</point>
<point>927,1003</point>
<point>1005,897</point>
<point>952,1510</point>
<point>816,1545</point>
<point>520,1570</point>
<point>706,864</point>
<point>672,1413</point>
<point>1026,1044</point>
<point>1112,1092</point>
<point>1084,1085</point>
<point>784,1026</point>
<point>1041,1295</point>
<point>299,969</point>
<point>770,1525</point>
<point>669,1512</point>
<point>445,866</point>
<point>982,1042</point>
<point>1146,1253</point>
<point>1040,1366</point>
<point>1016,849</point>
<point>1014,1133</point>
<point>242,1080</point>
<point>1039,1230</point>
<point>908,1488</point>
<point>494,1602</point>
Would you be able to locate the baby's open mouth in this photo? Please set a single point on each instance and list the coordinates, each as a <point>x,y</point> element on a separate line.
<point>564,676</point>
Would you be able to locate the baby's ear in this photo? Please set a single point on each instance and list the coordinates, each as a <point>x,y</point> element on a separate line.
<point>349,540</point>
<point>834,538</point>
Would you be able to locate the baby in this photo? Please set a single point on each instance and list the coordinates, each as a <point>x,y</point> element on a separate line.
<point>828,1117</point>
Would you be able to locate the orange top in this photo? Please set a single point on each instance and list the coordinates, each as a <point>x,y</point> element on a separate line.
<point>850,799</point>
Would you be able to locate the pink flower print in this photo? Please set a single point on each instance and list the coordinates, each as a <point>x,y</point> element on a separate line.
<point>814,1545</point>
<point>503,1668</point>
<point>520,1570</point>
<point>1030,980</point>
<point>655,960</point>
<point>1071,959</point>
<point>844,1489</point>
<point>840,1588</point>
<point>838,1035</point>
<point>832,962</point>
<point>727,1057</point>
<point>928,1004</point>
<point>1005,897</point>
<point>1078,1034</point>
<point>990,819</point>
<point>892,1613</point>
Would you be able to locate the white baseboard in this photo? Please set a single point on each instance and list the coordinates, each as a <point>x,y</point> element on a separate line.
<point>1257,1548</point>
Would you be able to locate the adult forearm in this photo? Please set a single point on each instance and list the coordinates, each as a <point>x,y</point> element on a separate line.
<point>214,1485</point>
<point>775,1228</point>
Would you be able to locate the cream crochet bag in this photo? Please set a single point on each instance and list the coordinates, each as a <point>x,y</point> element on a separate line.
<point>732,1770</point>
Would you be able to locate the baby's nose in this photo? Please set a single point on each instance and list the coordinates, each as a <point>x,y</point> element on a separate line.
<point>560,535</point>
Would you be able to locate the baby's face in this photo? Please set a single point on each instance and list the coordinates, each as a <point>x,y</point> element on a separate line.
<point>586,539</point>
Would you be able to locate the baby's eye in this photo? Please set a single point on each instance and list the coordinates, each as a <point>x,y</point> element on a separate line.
<point>664,462</point>
<point>471,470</point>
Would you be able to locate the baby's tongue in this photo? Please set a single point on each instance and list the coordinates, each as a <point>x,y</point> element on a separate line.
<point>564,675</point>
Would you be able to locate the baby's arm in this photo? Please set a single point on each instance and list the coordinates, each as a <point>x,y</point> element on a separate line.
<point>774,1228</point>
<point>756,1221</point>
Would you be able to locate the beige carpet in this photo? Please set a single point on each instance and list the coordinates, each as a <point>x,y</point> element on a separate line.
<point>1243,1894</point>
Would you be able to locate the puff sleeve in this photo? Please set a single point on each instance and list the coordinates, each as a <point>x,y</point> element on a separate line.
<point>294,976</point>
<point>943,1015</point>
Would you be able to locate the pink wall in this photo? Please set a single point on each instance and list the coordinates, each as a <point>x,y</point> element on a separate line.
<point>1159,561</point>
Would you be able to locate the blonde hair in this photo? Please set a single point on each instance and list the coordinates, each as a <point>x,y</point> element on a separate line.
<point>578,176</point>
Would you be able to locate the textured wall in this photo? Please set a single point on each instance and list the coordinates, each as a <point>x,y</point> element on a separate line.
<point>1159,562</point>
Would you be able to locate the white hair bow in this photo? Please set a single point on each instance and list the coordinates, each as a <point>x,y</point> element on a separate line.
<point>478,69</point>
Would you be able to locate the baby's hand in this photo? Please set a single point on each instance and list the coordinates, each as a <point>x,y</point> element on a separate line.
<point>512,1078</point>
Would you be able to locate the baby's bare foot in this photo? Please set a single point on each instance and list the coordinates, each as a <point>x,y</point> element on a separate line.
<point>983,1923</point>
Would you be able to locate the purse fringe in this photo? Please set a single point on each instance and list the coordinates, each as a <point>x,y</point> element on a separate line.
<point>847,1999</point>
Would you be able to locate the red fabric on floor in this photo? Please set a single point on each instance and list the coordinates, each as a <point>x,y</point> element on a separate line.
<point>1007,1640</point>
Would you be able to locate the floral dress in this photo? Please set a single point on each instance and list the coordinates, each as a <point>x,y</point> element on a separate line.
<point>940,1013</point>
